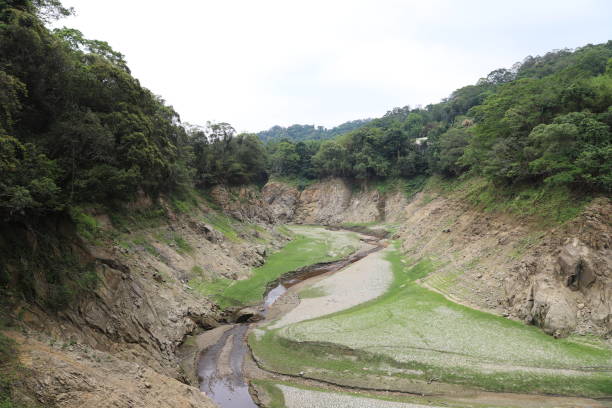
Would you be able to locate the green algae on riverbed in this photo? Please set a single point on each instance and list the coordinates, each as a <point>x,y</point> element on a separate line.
<point>310,245</point>
<point>412,333</point>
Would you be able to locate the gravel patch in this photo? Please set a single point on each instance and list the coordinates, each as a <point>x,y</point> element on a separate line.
<point>358,283</point>
<point>298,398</point>
<point>340,242</point>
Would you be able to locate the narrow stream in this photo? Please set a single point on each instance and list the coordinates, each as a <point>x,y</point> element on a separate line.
<point>220,366</point>
<point>229,388</point>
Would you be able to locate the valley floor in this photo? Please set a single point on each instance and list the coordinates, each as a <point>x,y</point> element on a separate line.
<point>372,326</point>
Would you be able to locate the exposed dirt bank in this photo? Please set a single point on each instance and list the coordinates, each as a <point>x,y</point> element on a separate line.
<point>145,303</point>
<point>558,278</point>
<point>77,376</point>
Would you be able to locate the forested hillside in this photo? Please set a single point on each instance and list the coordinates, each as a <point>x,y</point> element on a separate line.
<point>76,127</point>
<point>545,121</point>
<point>299,133</point>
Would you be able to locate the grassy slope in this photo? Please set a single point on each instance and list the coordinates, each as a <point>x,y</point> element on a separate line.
<point>12,374</point>
<point>544,204</point>
<point>422,335</point>
<point>305,249</point>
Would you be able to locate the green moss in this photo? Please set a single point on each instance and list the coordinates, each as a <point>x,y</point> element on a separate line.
<point>556,204</point>
<point>142,242</point>
<point>127,221</point>
<point>215,289</point>
<point>124,244</point>
<point>283,230</point>
<point>206,196</point>
<point>185,200</point>
<point>302,251</point>
<point>277,400</point>
<point>224,225</point>
<point>197,270</point>
<point>87,226</point>
<point>312,292</point>
<point>183,245</point>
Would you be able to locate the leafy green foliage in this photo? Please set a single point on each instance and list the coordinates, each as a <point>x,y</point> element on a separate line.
<point>27,183</point>
<point>545,121</point>
<point>300,133</point>
<point>222,157</point>
<point>75,126</point>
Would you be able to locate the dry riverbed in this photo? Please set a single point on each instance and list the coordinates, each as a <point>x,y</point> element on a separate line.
<point>370,326</point>
<point>358,283</point>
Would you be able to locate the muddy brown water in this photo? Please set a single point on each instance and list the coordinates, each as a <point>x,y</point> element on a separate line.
<point>225,383</point>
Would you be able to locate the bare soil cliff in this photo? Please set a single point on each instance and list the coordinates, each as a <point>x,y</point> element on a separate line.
<point>331,202</point>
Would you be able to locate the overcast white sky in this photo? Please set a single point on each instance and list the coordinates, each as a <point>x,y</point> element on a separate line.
<point>258,63</point>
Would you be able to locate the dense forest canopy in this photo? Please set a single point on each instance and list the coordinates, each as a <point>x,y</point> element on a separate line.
<point>77,127</point>
<point>300,133</point>
<point>544,121</point>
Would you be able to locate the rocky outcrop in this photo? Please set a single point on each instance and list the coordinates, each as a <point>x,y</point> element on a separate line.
<point>207,231</point>
<point>243,203</point>
<point>564,284</point>
<point>77,376</point>
<point>331,202</point>
<point>281,200</point>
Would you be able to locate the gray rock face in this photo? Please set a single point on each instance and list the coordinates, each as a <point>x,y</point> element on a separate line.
<point>330,202</point>
<point>552,312</point>
<point>207,231</point>
<point>251,256</point>
<point>564,284</point>
<point>137,312</point>
<point>281,200</point>
<point>243,203</point>
<point>576,265</point>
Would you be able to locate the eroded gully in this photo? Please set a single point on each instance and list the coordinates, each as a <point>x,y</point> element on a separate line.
<point>220,367</point>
